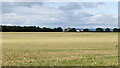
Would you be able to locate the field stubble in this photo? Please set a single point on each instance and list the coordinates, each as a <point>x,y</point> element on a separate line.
<point>59,49</point>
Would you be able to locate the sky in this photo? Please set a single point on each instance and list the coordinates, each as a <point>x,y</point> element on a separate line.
<point>61,14</point>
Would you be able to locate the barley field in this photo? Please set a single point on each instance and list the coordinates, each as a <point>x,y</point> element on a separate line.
<point>59,49</point>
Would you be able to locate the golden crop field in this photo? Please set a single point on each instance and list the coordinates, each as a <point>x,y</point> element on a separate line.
<point>59,49</point>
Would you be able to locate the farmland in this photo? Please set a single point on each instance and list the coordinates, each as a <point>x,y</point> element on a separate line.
<point>59,49</point>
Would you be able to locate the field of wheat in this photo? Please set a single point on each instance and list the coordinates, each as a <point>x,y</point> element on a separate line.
<point>59,49</point>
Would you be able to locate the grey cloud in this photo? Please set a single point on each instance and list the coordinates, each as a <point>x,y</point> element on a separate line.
<point>70,6</point>
<point>100,3</point>
<point>27,4</point>
<point>77,17</point>
<point>92,4</point>
<point>81,5</point>
<point>70,15</point>
<point>88,5</point>
<point>8,7</point>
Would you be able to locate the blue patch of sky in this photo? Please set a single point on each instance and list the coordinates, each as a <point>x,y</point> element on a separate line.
<point>108,8</point>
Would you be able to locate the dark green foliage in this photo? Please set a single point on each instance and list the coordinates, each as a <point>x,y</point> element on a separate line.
<point>107,30</point>
<point>119,30</point>
<point>99,30</point>
<point>29,29</point>
<point>86,30</point>
<point>115,30</point>
<point>59,29</point>
<point>70,30</point>
<point>44,29</point>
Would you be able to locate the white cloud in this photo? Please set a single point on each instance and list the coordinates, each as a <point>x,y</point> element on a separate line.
<point>80,5</point>
<point>70,15</point>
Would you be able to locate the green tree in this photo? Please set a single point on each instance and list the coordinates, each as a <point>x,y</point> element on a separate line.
<point>99,30</point>
<point>119,30</point>
<point>72,30</point>
<point>107,30</point>
<point>115,30</point>
<point>86,30</point>
<point>59,29</point>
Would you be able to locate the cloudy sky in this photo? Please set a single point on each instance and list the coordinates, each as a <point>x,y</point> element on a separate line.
<point>61,14</point>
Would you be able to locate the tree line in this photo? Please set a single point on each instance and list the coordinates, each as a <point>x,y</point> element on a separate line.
<point>29,29</point>
<point>102,30</point>
<point>45,29</point>
<point>88,30</point>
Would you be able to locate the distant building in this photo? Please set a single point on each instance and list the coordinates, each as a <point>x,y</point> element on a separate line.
<point>79,30</point>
